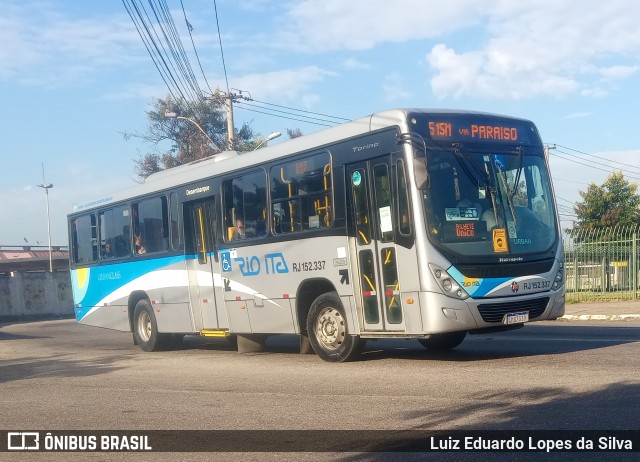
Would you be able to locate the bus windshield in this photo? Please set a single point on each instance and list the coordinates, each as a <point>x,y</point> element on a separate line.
<point>489,203</point>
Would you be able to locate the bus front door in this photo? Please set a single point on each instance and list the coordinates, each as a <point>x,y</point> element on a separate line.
<point>373,223</point>
<point>205,284</point>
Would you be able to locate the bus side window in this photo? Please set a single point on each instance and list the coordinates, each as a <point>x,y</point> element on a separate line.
<point>244,206</point>
<point>84,239</point>
<point>302,194</point>
<point>174,226</point>
<point>404,223</point>
<point>382,188</point>
<point>151,225</point>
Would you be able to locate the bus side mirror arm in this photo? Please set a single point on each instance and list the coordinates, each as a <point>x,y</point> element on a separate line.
<point>421,173</point>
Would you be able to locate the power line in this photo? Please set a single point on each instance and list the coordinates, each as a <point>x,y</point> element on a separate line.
<point>563,199</point>
<point>299,117</point>
<point>176,72</point>
<point>189,29</point>
<point>598,157</point>
<point>164,46</point>
<point>160,48</point>
<point>175,45</point>
<point>240,104</point>
<point>598,163</point>
<point>147,45</point>
<point>590,165</point>
<point>301,110</point>
<point>224,67</point>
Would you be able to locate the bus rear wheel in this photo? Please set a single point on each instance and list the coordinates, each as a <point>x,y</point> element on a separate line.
<point>145,328</point>
<point>329,331</point>
<point>443,342</point>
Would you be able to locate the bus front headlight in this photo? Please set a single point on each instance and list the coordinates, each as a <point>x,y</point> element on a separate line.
<point>558,281</point>
<point>448,285</point>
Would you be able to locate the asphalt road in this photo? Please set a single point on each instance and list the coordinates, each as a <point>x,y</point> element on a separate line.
<point>58,375</point>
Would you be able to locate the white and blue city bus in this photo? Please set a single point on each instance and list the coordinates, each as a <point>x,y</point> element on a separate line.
<point>408,223</point>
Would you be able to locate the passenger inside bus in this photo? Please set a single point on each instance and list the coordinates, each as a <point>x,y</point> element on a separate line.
<point>138,245</point>
<point>469,209</point>
<point>468,195</point>
<point>239,230</point>
<point>107,253</point>
<point>489,217</point>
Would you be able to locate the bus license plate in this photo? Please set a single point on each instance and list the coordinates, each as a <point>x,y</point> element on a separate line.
<point>516,318</point>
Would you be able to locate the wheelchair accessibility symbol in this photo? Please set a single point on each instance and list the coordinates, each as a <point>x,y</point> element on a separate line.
<point>225,259</point>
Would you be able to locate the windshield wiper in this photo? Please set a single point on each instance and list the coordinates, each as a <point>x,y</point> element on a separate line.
<point>520,152</point>
<point>488,181</point>
<point>509,194</point>
<point>492,191</point>
<point>465,162</point>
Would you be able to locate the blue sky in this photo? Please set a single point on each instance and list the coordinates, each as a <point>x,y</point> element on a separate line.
<point>75,75</point>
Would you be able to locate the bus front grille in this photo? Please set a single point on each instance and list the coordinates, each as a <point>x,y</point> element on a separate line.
<point>494,312</point>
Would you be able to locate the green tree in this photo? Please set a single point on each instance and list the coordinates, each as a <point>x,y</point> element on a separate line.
<point>615,203</point>
<point>294,133</point>
<point>175,141</point>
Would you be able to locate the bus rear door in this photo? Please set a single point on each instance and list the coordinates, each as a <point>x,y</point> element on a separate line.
<point>205,284</point>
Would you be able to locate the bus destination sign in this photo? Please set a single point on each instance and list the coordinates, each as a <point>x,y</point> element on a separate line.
<point>441,130</point>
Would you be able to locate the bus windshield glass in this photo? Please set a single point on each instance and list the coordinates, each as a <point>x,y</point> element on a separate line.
<point>489,203</point>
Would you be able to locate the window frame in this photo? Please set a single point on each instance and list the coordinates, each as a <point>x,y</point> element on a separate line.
<point>146,238</point>
<point>277,180</point>
<point>258,225</point>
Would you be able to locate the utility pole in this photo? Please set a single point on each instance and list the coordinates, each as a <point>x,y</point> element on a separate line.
<point>548,147</point>
<point>229,98</point>
<point>230,127</point>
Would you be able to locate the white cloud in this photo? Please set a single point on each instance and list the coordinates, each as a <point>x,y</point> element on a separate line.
<point>136,91</point>
<point>354,64</point>
<point>394,88</point>
<point>594,92</point>
<point>618,72</point>
<point>520,49</point>
<point>284,85</point>
<point>326,25</point>
<point>577,115</point>
<point>542,48</point>
<point>36,37</point>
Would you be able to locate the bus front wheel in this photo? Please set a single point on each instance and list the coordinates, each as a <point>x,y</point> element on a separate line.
<point>145,328</point>
<point>329,331</point>
<point>443,342</point>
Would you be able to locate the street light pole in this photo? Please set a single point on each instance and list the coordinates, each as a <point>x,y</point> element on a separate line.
<point>46,186</point>
<point>173,115</point>
<point>270,137</point>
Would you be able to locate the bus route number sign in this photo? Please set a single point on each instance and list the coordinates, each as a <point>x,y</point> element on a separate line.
<point>440,130</point>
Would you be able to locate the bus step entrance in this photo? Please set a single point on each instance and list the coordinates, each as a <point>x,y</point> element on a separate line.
<point>215,333</point>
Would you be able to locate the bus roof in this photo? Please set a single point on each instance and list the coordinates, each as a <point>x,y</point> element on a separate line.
<point>229,161</point>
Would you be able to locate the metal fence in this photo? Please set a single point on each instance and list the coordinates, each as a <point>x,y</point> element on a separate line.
<point>601,264</point>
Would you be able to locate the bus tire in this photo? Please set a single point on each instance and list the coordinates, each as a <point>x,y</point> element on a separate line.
<point>443,342</point>
<point>329,331</point>
<point>145,328</point>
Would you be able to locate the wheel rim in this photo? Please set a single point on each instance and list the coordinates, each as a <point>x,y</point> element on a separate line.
<point>144,326</point>
<point>331,328</point>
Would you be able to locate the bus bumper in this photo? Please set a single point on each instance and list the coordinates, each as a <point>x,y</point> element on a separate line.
<point>445,314</point>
